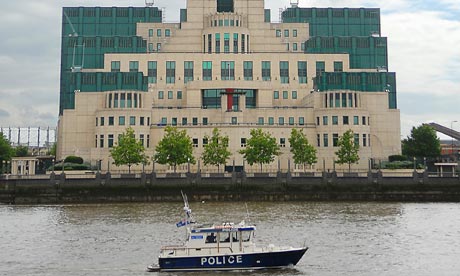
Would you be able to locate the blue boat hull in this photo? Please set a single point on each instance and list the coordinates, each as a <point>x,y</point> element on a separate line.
<point>234,261</point>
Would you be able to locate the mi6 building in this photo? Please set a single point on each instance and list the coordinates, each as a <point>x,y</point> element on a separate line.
<point>226,65</point>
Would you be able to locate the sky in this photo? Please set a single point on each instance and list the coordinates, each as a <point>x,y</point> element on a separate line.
<point>423,45</point>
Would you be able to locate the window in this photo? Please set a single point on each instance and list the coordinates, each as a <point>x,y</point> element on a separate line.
<point>151,47</point>
<point>234,120</point>
<point>174,121</point>
<point>335,139</point>
<point>207,70</point>
<point>317,121</point>
<point>318,140</point>
<point>224,5</point>
<point>194,121</point>
<point>195,142</point>
<point>302,71</point>
<point>247,72</point>
<point>325,120</point>
<point>294,95</point>
<point>152,72</point>
<point>260,121</point>
<point>159,32</point>
<point>335,120</point>
<point>158,47</point>
<point>284,71</point>
<point>141,121</point>
<point>294,46</point>
<point>235,43</point>
<point>320,68</point>
<point>97,121</point>
<point>132,120</point>
<point>281,121</point>
<point>271,121</point>
<point>170,95</point>
<point>184,121</point>
<point>101,141</point>
<point>167,32</point>
<point>286,33</point>
<point>205,121</point>
<point>301,121</point>
<point>122,100</point>
<point>278,33</point>
<point>294,33</point>
<point>188,71</point>
<point>356,136</point>
<point>110,140</point>
<point>325,140</point>
<point>355,120</point>
<point>209,43</point>
<point>338,66</point>
<point>226,43</point>
<point>148,141</point>
<point>345,120</point>
<point>283,142</point>
<point>217,46</point>
<point>102,121</point>
<point>243,142</point>
<point>133,66</point>
<point>141,139</point>
<point>111,120</point>
<point>115,66</point>
<point>150,32</point>
<point>364,140</point>
<point>205,141</point>
<point>227,70</point>
<point>170,71</point>
<point>160,94</point>
<point>121,120</point>
<point>266,71</point>
<point>164,121</point>
<point>364,120</point>
<point>276,94</point>
<point>291,121</point>
<point>179,95</point>
<point>285,95</point>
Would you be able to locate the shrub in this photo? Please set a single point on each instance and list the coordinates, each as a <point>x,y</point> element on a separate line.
<point>73,159</point>
<point>393,158</point>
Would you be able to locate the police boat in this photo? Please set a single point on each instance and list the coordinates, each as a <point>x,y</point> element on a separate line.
<point>226,246</point>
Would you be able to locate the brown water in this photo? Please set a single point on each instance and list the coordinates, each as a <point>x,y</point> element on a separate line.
<point>344,238</point>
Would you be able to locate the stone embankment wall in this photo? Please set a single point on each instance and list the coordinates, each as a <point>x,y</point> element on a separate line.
<point>62,188</point>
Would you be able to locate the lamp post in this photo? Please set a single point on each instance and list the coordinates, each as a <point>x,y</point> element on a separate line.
<point>452,145</point>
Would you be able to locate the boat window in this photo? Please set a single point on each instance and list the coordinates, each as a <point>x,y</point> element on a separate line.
<point>235,237</point>
<point>211,238</point>
<point>225,237</point>
<point>246,235</point>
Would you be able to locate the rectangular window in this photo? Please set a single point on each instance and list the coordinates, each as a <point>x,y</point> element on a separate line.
<point>159,32</point>
<point>266,70</point>
<point>364,120</point>
<point>234,120</point>
<point>247,72</point>
<point>345,120</point>
<point>207,70</point>
<point>235,43</point>
<point>160,95</point>
<point>133,66</point>
<point>195,142</point>
<point>325,140</point>
<point>101,141</point>
<point>338,66</point>
<point>294,46</point>
<point>170,95</point>
<point>151,47</point>
<point>174,121</point>
<point>294,95</point>
<point>121,120</point>
<point>132,120</point>
<point>205,141</point>
<point>286,33</point>
<point>102,121</point>
<point>152,72</point>
<point>141,139</point>
<point>150,32</point>
<point>282,142</point>
<point>243,41</point>
<point>179,95</point>
<point>337,99</point>
<point>110,140</point>
<point>184,121</point>
<point>115,66</point>
<point>141,121</point>
<point>188,71</point>
<point>355,120</point>
<point>335,120</point>
<point>209,43</point>
<point>284,71</point>
<point>320,68</point>
<point>226,43</point>
<point>170,71</point>
<point>291,121</point>
<point>164,121</point>
<point>111,121</point>
<point>302,71</point>
<point>335,139</point>
<point>285,95</point>
<point>205,121</point>
<point>364,140</point>
<point>301,121</point>
<point>217,44</point>
<point>294,33</point>
<point>344,99</point>
<point>276,94</point>
<point>194,121</point>
<point>271,121</point>
<point>148,141</point>
<point>243,142</point>
<point>318,140</point>
<point>356,136</point>
<point>122,100</point>
<point>325,120</point>
<point>260,121</point>
<point>278,33</point>
<point>317,121</point>
<point>167,32</point>
<point>281,121</point>
<point>158,47</point>
<point>227,70</point>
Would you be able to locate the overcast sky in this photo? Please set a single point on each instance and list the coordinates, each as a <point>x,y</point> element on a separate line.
<point>423,39</point>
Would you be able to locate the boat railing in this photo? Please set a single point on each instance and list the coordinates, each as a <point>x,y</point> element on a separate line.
<point>185,251</point>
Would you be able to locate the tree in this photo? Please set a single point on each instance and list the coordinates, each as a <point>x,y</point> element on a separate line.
<point>348,149</point>
<point>6,151</point>
<point>422,142</point>
<point>216,151</point>
<point>175,148</point>
<point>53,149</point>
<point>261,148</point>
<point>128,150</point>
<point>303,152</point>
<point>21,151</point>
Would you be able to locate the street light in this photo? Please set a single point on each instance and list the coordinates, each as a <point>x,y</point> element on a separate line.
<point>451,128</point>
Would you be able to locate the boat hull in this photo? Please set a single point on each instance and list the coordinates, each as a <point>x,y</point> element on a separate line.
<point>256,260</point>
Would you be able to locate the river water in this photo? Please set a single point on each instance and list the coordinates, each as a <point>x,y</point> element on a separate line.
<point>344,238</point>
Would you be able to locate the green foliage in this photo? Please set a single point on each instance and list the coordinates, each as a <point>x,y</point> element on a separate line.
<point>422,142</point>
<point>400,165</point>
<point>303,152</point>
<point>175,148</point>
<point>6,151</point>
<point>348,150</point>
<point>216,151</point>
<point>393,158</point>
<point>73,159</point>
<point>261,148</point>
<point>21,151</point>
<point>128,150</point>
<point>70,167</point>
<point>53,149</point>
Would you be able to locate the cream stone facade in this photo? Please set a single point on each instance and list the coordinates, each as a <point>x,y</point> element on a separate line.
<point>233,71</point>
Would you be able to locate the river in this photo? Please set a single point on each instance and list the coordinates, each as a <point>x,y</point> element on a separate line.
<point>345,238</point>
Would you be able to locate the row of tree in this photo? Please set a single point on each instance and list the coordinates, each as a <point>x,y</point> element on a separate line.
<point>176,148</point>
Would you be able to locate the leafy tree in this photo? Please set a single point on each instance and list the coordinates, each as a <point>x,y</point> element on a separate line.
<point>73,159</point>
<point>348,149</point>
<point>216,151</point>
<point>21,151</point>
<point>261,148</point>
<point>6,151</point>
<point>422,142</point>
<point>175,148</point>
<point>128,150</point>
<point>303,152</point>
<point>53,149</point>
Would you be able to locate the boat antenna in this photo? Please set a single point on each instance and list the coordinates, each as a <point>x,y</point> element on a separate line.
<point>247,213</point>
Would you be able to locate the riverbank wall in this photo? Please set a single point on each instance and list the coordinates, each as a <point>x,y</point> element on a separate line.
<point>99,188</point>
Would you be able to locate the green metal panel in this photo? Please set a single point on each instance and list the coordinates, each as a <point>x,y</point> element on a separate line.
<point>183,15</point>
<point>267,15</point>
